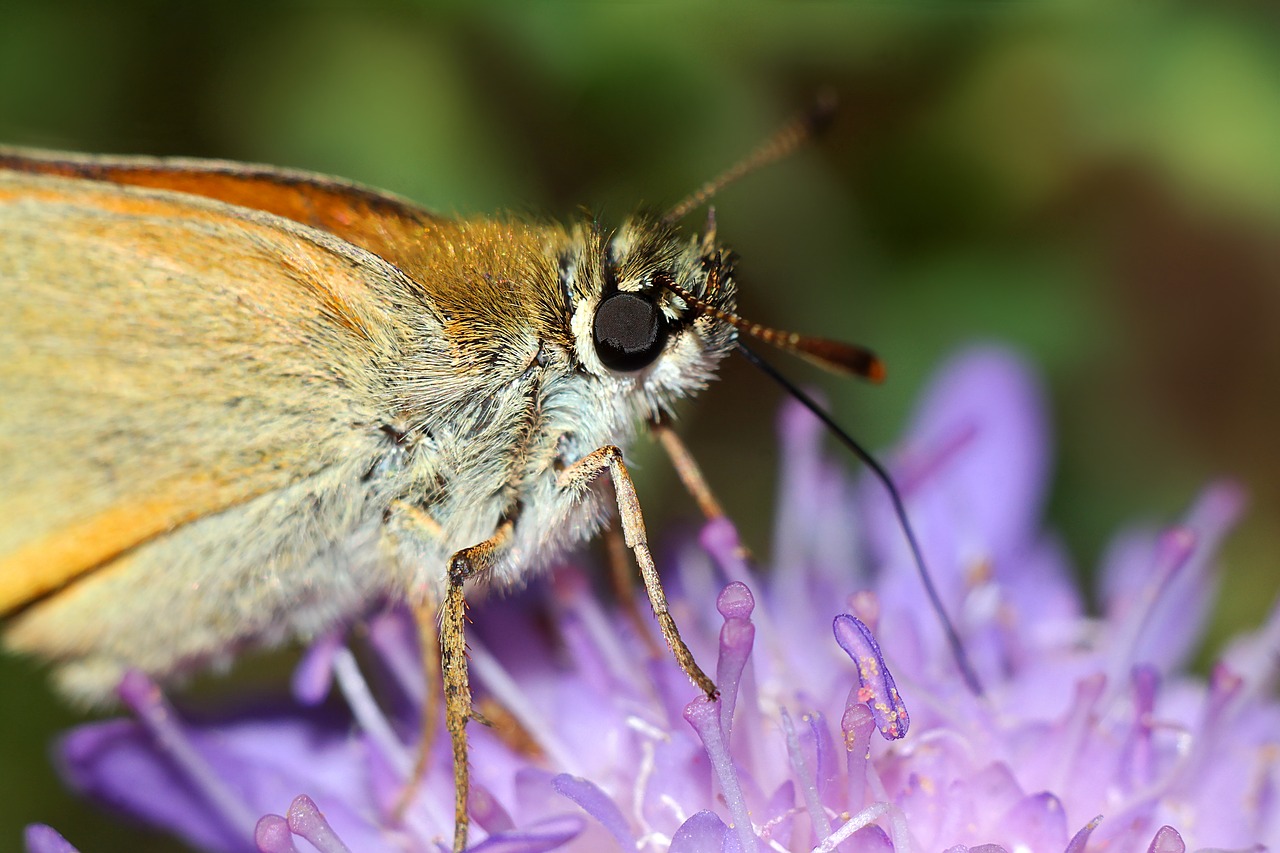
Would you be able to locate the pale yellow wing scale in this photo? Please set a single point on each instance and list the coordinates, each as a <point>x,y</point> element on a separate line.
<point>165,358</point>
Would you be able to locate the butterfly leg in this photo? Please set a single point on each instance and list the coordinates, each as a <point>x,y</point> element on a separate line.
<point>622,579</point>
<point>464,565</point>
<point>426,616</point>
<point>687,469</point>
<point>577,478</point>
<point>691,477</point>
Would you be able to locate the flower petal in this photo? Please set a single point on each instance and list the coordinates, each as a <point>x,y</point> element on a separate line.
<point>45,839</point>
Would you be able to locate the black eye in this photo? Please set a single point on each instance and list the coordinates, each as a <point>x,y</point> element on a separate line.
<point>629,331</point>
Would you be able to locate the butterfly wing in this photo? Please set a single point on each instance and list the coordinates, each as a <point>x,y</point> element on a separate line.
<point>189,403</point>
<point>382,223</point>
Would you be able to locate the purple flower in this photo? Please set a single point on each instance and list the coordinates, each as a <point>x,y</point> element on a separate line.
<point>1090,734</point>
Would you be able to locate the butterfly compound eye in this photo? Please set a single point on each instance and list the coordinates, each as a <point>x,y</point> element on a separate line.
<point>629,331</point>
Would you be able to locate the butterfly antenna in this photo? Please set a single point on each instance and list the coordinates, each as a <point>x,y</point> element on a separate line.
<point>835,356</point>
<point>797,132</point>
<point>953,639</point>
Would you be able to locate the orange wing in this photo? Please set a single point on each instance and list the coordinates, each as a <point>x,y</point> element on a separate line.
<point>382,223</point>
<point>164,356</point>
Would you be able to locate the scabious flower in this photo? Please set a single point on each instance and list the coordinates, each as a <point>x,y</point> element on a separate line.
<point>1089,734</point>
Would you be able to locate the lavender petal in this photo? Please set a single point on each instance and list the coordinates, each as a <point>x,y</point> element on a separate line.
<point>704,715</point>
<point>737,636</point>
<point>272,835</point>
<point>540,837</point>
<point>306,819</point>
<point>704,832</point>
<point>599,805</point>
<point>878,688</point>
<point>1167,840</point>
<point>45,839</point>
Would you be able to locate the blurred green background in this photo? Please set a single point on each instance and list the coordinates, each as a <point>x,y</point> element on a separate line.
<point>1095,182</point>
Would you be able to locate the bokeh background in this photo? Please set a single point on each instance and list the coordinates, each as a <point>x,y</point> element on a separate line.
<point>1095,182</point>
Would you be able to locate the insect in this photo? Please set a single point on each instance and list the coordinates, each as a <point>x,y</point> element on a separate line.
<point>240,403</point>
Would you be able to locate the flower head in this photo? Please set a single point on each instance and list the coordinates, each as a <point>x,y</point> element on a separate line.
<point>1089,735</point>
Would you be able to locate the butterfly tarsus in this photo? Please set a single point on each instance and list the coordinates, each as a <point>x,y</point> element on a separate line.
<point>463,566</point>
<point>577,477</point>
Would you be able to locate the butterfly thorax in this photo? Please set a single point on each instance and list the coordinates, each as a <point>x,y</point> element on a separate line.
<point>533,346</point>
